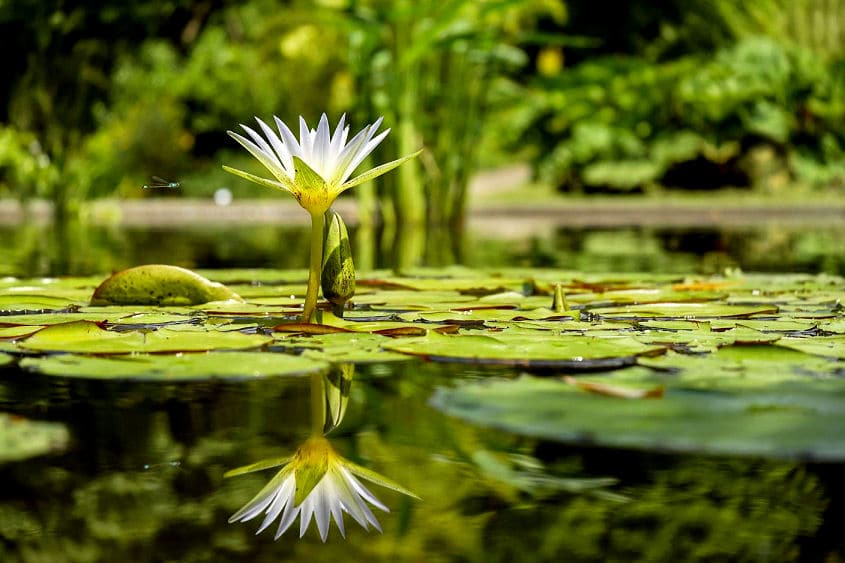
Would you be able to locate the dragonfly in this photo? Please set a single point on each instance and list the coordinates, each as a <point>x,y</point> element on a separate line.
<point>159,182</point>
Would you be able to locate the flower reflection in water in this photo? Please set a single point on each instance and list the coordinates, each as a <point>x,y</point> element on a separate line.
<point>316,481</point>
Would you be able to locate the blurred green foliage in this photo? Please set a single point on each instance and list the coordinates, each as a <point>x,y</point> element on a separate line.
<point>723,93</point>
<point>690,94</point>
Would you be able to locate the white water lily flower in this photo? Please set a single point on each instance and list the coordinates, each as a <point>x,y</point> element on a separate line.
<point>316,482</point>
<point>316,168</point>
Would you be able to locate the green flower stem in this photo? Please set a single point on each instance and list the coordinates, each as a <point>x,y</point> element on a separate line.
<point>316,266</point>
<point>318,404</point>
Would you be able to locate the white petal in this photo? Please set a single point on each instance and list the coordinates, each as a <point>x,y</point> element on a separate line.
<point>288,518</point>
<point>363,491</point>
<point>322,509</point>
<point>347,154</point>
<point>288,137</point>
<point>284,496</point>
<point>322,142</point>
<point>281,150</point>
<point>362,154</point>
<point>336,145</point>
<point>306,510</point>
<point>305,139</point>
<point>269,161</point>
<point>259,140</point>
<point>251,510</point>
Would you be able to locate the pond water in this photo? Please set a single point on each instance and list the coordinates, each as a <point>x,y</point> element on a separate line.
<point>142,476</point>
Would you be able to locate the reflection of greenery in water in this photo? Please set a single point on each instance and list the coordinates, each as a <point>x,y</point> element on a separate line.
<point>100,502</point>
<point>38,249</point>
<point>695,510</point>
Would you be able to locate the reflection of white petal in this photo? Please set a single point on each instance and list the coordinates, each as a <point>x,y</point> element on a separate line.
<point>337,492</point>
<point>283,498</point>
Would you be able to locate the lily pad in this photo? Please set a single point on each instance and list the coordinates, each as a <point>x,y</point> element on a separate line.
<point>179,367</point>
<point>357,348</point>
<point>5,359</point>
<point>831,346</point>
<point>159,284</point>
<point>785,420</point>
<point>564,351</point>
<point>85,337</point>
<point>21,438</point>
<point>683,311</point>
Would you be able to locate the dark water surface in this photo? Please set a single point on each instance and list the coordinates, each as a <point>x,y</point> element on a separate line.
<point>142,478</point>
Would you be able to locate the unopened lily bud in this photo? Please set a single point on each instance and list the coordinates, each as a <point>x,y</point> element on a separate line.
<point>338,277</point>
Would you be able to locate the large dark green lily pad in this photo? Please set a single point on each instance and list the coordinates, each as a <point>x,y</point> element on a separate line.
<point>784,420</point>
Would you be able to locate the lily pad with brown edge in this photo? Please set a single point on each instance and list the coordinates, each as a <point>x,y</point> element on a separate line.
<point>85,337</point>
<point>21,438</point>
<point>574,352</point>
<point>786,420</point>
<point>176,367</point>
<point>160,284</point>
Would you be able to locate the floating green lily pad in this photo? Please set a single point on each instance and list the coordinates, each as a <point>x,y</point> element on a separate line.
<point>85,337</point>
<point>564,351</point>
<point>685,311</point>
<point>5,359</point>
<point>831,346</point>
<point>21,438</point>
<point>179,367</point>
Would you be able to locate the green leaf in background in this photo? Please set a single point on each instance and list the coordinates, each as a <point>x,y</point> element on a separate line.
<point>5,359</point>
<point>21,438</point>
<point>179,367</point>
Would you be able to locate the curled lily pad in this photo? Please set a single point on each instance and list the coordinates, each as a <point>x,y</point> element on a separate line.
<point>159,284</point>
<point>563,351</point>
<point>21,438</point>
<point>177,367</point>
<point>85,337</point>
